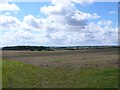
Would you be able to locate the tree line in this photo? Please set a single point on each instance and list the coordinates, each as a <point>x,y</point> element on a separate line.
<point>40,48</point>
<point>25,48</point>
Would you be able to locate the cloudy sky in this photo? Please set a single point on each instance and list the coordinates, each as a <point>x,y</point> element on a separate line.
<point>59,23</point>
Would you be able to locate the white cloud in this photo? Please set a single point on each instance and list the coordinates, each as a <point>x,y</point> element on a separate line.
<point>85,16</point>
<point>113,12</point>
<point>31,21</point>
<point>64,25</point>
<point>73,1</point>
<point>92,34</point>
<point>104,22</point>
<point>9,22</point>
<point>105,34</point>
<point>8,7</point>
<point>18,37</point>
<point>67,13</point>
<point>3,1</point>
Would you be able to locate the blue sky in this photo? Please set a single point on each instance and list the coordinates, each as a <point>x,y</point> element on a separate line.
<point>59,23</point>
<point>30,8</point>
<point>102,9</point>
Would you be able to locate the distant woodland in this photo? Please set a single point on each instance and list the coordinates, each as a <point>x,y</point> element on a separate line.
<point>43,48</point>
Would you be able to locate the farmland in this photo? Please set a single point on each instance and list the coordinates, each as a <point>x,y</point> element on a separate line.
<point>97,68</point>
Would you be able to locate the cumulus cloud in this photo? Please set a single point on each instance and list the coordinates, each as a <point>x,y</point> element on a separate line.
<point>8,7</point>
<point>92,34</point>
<point>103,34</point>
<point>64,24</point>
<point>18,37</point>
<point>8,22</point>
<point>67,13</point>
<point>31,21</point>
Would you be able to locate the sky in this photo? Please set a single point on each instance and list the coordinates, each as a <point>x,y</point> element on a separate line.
<point>58,23</point>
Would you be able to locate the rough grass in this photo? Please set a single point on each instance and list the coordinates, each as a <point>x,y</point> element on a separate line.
<point>20,75</point>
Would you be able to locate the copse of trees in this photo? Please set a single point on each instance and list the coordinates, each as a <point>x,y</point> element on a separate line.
<point>25,48</point>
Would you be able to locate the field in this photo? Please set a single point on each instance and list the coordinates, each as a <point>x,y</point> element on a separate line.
<point>0,69</point>
<point>97,68</point>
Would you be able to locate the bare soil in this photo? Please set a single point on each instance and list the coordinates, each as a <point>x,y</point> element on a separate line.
<point>70,59</point>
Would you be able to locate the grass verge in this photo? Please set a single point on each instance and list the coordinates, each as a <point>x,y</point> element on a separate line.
<point>20,75</point>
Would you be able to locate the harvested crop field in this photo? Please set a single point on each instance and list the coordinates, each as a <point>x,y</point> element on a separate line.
<point>74,58</point>
<point>96,68</point>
